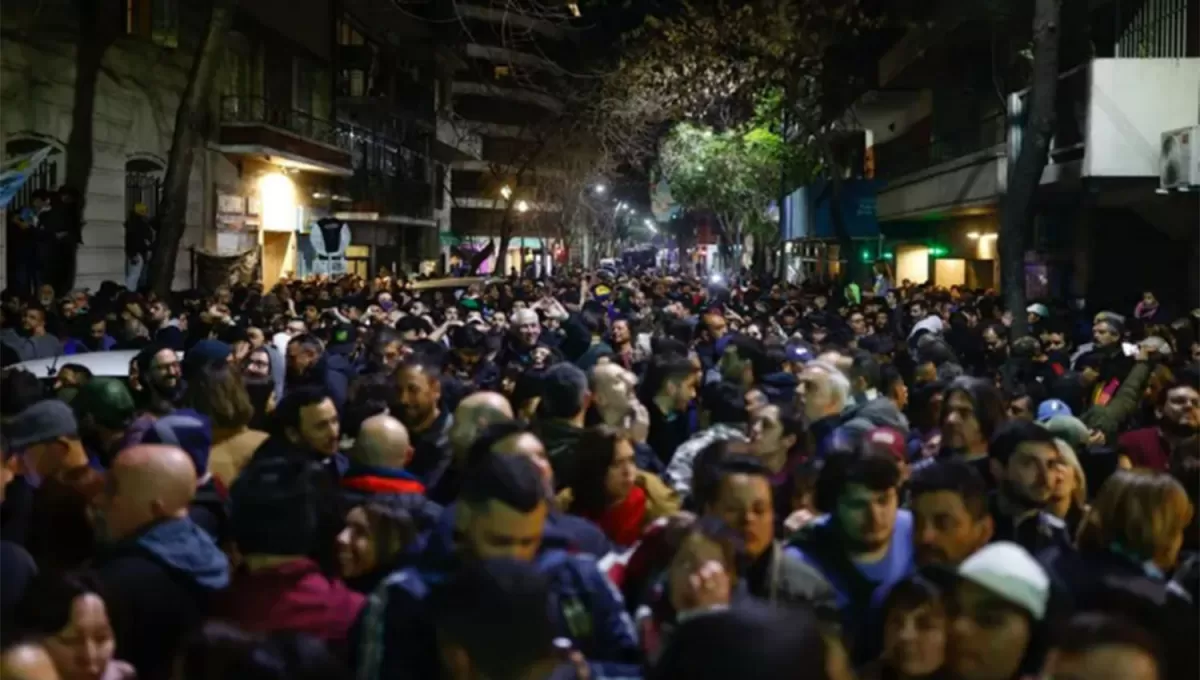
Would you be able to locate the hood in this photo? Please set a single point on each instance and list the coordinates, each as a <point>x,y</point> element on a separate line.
<point>558,436</point>
<point>780,387</point>
<point>880,412</point>
<point>932,323</point>
<point>189,550</point>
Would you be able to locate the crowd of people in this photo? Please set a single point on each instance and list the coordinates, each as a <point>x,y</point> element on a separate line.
<point>598,475</point>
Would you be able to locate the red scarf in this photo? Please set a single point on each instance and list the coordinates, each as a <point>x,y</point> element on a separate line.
<point>623,522</point>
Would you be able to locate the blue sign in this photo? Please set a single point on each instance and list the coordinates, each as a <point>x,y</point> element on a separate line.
<point>809,214</point>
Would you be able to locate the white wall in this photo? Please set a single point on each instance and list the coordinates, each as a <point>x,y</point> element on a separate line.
<point>974,180</point>
<point>1133,101</point>
<point>136,98</point>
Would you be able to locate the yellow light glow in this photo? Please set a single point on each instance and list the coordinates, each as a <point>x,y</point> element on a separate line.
<point>277,194</point>
<point>522,206</point>
<point>506,192</point>
<point>974,236</point>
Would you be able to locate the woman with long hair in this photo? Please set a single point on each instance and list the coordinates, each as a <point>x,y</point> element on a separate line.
<point>68,612</point>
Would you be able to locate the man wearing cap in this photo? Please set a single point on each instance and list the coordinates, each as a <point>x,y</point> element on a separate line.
<point>104,409</point>
<point>44,440</point>
<point>999,627</point>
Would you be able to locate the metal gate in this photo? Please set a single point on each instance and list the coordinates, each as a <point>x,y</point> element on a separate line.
<point>143,184</point>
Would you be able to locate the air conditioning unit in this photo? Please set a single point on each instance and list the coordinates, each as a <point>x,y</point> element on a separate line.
<point>1179,163</point>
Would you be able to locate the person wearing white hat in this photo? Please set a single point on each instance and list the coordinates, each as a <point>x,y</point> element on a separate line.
<point>997,631</point>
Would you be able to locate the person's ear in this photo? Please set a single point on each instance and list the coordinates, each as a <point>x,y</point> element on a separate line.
<point>293,435</point>
<point>789,441</point>
<point>987,527</point>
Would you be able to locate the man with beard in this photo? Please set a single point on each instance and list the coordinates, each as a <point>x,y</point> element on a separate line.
<point>1178,411</point>
<point>89,334</point>
<point>160,384</point>
<point>34,341</point>
<point>950,513</point>
<point>418,404</point>
<point>1024,462</point>
<point>309,365</point>
<point>164,329</point>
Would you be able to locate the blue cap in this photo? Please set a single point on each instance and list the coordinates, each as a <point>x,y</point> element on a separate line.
<point>1052,407</point>
<point>187,430</point>
<point>799,354</point>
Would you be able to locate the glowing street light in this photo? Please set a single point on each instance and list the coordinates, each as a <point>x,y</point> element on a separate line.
<point>506,192</point>
<point>600,189</point>
<point>522,206</point>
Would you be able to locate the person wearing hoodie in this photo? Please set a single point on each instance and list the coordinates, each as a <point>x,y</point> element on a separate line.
<point>501,514</point>
<point>276,527</point>
<point>561,415</point>
<point>726,404</point>
<point>872,407</point>
<point>159,570</point>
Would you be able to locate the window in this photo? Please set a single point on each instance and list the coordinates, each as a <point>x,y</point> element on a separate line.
<point>501,72</point>
<point>143,184</point>
<point>47,176</point>
<point>352,83</point>
<point>153,20</point>
<point>305,74</point>
<point>348,36</point>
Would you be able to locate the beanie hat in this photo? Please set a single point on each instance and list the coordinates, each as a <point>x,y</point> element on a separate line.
<point>1008,571</point>
<point>107,401</point>
<point>188,430</point>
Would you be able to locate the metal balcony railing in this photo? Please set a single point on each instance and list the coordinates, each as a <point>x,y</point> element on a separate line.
<point>244,109</point>
<point>907,154</point>
<point>1157,29</point>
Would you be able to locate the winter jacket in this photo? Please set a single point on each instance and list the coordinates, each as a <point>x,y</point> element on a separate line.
<point>362,482</point>
<point>1109,417</point>
<point>431,450</point>
<point>1035,531</point>
<point>561,440</point>
<point>564,532</point>
<point>790,580</point>
<point>393,637</point>
<point>30,347</point>
<point>17,569</point>
<point>158,586</point>
<point>294,596</point>
<point>679,470</point>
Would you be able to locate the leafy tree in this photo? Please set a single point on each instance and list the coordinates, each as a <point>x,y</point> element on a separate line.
<point>734,174</point>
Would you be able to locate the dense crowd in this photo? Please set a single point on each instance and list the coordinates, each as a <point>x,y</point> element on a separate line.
<point>598,475</point>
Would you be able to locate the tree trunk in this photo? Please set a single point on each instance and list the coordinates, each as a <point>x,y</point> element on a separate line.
<point>95,36</point>
<point>189,131</point>
<point>1020,204</point>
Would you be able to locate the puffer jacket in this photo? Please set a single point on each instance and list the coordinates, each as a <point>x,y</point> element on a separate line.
<point>679,470</point>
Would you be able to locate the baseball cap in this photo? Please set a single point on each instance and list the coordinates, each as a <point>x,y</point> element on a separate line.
<point>1010,572</point>
<point>1039,309</point>
<point>188,430</point>
<point>887,440</point>
<point>798,353</point>
<point>42,422</point>
<point>1052,407</point>
<point>107,401</point>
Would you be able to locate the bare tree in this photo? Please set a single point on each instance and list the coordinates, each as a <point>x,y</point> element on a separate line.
<point>190,121</point>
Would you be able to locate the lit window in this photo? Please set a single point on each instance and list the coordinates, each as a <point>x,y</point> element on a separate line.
<point>574,9</point>
<point>501,72</point>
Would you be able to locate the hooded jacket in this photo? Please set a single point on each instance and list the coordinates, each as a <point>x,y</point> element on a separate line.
<point>878,412</point>
<point>158,586</point>
<point>679,470</point>
<point>393,637</point>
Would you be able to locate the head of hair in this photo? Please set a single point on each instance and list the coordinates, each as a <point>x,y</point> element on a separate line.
<point>874,471</point>
<point>911,593</point>
<point>490,436</point>
<point>566,389</point>
<point>954,477</point>
<point>308,341</point>
<point>726,403</point>
<point>476,611</point>
<point>1089,630</point>
<point>1142,511</point>
<point>511,480</point>
<point>77,369</point>
<point>21,390</point>
<point>749,349</point>
<point>414,324</point>
<point>936,352</point>
<point>469,338</point>
<point>1012,434</point>
<point>217,391</point>
<point>45,607</point>
<point>593,457</point>
<point>864,365</point>
<point>426,363</point>
<point>664,369</point>
<point>753,642</point>
<point>990,408</point>
<point>287,413</point>
<point>706,470</point>
<point>736,464</point>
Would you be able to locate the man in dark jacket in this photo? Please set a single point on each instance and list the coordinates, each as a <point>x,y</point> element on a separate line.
<point>418,404</point>
<point>159,570</point>
<point>309,365</point>
<point>501,513</point>
<point>561,414</point>
<point>1024,462</point>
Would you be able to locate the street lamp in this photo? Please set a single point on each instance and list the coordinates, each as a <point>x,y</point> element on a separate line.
<point>600,189</point>
<point>522,206</point>
<point>506,192</point>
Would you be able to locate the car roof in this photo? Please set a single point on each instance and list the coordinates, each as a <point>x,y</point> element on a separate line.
<point>114,364</point>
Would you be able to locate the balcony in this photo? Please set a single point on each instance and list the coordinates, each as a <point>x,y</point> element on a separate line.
<point>390,181</point>
<point>285,136</point>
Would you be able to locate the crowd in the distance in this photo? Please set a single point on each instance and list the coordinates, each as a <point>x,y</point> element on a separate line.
<point>601,475</point>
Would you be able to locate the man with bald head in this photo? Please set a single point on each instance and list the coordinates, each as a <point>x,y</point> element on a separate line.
<point>377,461</point>
<point>614,399</point>
<point>474,414</point>
<point>158,568</point>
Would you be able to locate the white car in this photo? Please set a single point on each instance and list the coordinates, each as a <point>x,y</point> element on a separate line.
<point>114,364</point>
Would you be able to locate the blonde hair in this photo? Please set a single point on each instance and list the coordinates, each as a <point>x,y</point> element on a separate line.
<point>1141,512</point>
<point>1079,495</point>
